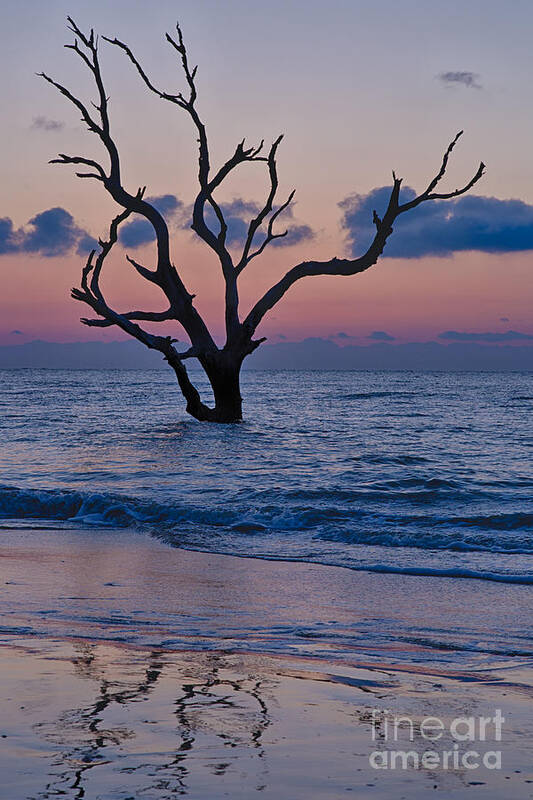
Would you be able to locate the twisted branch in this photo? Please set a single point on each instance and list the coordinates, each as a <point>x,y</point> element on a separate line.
<point>337,266</point>
<point>149,316</point>
<point>209,183</point>
<point>91,292</point>
<point>256,223</point>
<point>165,274</point>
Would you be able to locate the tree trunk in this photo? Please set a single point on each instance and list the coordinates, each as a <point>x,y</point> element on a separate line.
<point>223,372</point>
<point>224,377</point>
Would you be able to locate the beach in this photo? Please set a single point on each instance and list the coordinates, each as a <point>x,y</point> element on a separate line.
<point>302,606</point>
<point>151,671</point>
<point>266,391</point>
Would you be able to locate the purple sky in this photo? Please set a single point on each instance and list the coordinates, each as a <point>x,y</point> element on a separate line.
<point>357,88</point>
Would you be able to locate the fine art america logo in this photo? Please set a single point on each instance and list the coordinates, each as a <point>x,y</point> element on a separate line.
<point>469,742</point>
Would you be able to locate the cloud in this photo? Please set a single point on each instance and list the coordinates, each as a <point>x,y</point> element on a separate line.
<point>17,333</point>
<point>504,319</point>
<point>464,78</point>
<point>341,335</point>
<point>295,235</point>
<point>509,336</point>
<point>381,336</point>
<point>7,234</point>
<point>85,244</point>
<point>140,231</point>
<point>238,214</point>
<point>50,233</point>
<point>441,227</point>
<point>240,208</point>
<point>54,232</point>
<point>46,124</point>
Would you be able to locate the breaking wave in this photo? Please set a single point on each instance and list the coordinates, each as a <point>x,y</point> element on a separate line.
<point>324,527</point>
<point>417,473</point>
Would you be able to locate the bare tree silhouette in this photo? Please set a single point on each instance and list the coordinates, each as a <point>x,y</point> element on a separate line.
<point>222,365</point>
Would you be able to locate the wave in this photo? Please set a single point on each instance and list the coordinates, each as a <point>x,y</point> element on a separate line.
<point>502,522</point>
<point>90,508</point>
<point>451,572</point>
<point>455,541</point>
<point>320,515</point>
<point>421,489</point>
<point>114,508</point>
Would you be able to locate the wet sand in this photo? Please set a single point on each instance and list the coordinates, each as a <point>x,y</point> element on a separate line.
<point>133,670</point>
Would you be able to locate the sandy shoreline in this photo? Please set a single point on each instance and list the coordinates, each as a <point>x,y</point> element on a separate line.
<point>130,669</point>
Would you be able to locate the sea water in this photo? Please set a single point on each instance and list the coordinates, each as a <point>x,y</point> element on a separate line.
<point>416,473</point>
<point>428,473</point>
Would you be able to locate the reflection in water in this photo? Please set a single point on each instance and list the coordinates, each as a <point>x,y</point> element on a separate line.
<point>105,722</point>
<point>140,732</point>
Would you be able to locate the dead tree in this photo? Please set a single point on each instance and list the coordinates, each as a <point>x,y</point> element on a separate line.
<point>222,365</point>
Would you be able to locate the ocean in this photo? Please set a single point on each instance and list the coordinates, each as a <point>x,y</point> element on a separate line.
<point>418,473</point>
<point>403,471</point>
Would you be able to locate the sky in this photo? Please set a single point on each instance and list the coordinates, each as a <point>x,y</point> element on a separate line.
<point>358,89</point>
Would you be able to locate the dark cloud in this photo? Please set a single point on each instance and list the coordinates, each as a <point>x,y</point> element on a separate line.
<point>504,319</point>
<point>85,244</point>
<point>50,233</point>
<point>342,335</point>
<point>17,333</point>
<point>45,124</point>
<point>54,232</point>
<point>136,233</point>
<point>166,203</point>
<point>381,336</point>
<point>509,336</point>
<point>240,208</point>
<point>7,236</point>
<point>441,227</point>
<point>281,336</point>
<point>238,214</point>
<point>295,235</point>
<point>140,231</point>
<point>463,78</point>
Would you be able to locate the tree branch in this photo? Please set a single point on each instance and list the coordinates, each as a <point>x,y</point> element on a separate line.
<point>86,117</point>
<point>337,266</point>
<point>216,242</point>
<point>91,294</point>
<point>429,194</point>
<point>270,236</point>
<point>150,316</point>
<point>165,274</point>
<point>208,184</point>
<point>146,273</point>
<point>64,159</point>
<point>205,195</point>
<point>256,223</point>
<point>178,99</point>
